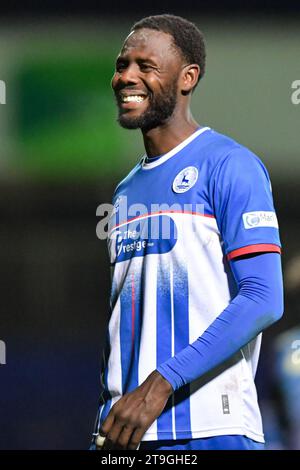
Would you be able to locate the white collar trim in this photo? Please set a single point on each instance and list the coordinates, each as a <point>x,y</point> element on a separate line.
<point>171,153</point>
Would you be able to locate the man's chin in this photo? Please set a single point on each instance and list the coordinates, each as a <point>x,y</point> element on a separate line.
<point>145,123</point>
<point>128,123</point>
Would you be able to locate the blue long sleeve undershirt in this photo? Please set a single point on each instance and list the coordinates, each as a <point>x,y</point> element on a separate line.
<point>258,304</point>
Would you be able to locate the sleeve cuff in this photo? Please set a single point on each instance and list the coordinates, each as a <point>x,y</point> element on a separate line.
<point>257,248</point>
<point>170,376</point>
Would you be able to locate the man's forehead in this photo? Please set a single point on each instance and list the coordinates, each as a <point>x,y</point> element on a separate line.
<point>148,40</point>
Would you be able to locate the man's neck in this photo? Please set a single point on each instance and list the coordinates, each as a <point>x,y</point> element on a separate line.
<point>164,138</point>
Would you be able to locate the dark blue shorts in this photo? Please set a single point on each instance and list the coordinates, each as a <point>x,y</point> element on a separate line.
<point>235,442</point>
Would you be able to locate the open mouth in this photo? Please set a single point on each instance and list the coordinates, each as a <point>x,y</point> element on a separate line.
<point>131,100</point>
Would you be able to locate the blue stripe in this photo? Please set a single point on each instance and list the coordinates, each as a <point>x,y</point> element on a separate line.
<point>134,379</point>
<point>105,396</point>
<point>164,342</point>
<point>181,335</point>
<point>125,333</point>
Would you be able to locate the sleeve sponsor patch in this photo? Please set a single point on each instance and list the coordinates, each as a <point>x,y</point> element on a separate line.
<point>260,219</point>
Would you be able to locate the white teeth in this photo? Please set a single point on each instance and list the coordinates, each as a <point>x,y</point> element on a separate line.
<point>134,98</point>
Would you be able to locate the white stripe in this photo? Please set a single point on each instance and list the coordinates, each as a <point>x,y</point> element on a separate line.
<point>171,153</point>
<point>172,343</point>
<point>114,376</point>
<point>172,213</point>
<point>147,357</point>
<point>97,427</point>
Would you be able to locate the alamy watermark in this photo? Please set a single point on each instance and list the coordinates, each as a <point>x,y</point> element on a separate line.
<point>137,229</point>
<point>295,96</point>
<point>2,352</point>
<point>136,220</point>
<point>2,92</point>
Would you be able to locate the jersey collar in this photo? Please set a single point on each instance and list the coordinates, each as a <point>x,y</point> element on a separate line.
<point>171,153</point>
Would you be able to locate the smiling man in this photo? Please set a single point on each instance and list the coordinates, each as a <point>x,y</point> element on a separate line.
<point>187,309</point>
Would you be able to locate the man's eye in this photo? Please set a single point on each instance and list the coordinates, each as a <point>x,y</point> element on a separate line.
<point>120,66</point>
<point>146,67</point>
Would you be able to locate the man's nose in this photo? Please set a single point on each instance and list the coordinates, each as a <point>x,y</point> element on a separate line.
<point>130,74</point>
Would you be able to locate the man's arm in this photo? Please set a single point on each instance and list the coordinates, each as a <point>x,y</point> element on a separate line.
<point>258,304</point>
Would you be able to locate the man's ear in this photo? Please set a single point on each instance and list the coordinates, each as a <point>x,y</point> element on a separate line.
<point>189,78</point>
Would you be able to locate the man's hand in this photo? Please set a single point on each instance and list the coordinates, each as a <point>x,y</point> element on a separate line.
<point>133,414</point>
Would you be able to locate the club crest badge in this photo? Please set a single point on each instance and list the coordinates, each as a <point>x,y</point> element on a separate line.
<point>185,179</point>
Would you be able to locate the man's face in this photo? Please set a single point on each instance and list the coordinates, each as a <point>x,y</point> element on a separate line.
<point>145,82</point>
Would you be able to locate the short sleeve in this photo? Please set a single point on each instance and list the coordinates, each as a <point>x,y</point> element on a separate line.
<point>243,205</point>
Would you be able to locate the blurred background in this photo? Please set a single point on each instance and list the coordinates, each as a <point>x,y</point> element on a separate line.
<point>61,155</point>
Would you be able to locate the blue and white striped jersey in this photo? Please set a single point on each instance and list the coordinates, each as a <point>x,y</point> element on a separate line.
<point>176,222</point>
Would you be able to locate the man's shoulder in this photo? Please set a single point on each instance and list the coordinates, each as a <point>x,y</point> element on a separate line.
<point>125,181</point>
<point>220,148</point>
<point>219,145</point>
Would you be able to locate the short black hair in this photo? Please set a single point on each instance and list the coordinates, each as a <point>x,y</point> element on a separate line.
<point>186,36</point>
